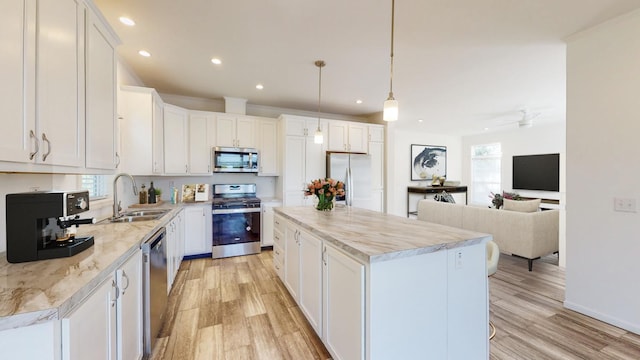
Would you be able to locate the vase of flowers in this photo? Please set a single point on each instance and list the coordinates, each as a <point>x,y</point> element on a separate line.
<point>326,191</point>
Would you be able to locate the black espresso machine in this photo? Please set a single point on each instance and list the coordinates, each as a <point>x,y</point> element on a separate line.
<point>39,222</point>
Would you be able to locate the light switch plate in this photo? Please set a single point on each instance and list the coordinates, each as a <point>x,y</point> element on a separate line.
<point>624,204</point>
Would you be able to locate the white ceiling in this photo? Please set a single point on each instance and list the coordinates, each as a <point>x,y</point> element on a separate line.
<point>460,65</point>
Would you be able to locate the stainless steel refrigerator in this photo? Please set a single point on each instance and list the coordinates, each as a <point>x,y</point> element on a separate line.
<point>355,171</point>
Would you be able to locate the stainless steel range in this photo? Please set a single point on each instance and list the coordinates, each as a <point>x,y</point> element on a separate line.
<point>236,220</point>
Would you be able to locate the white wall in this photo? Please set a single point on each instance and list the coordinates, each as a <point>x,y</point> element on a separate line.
<point>539,139</point>
<point>399,163</point>
<point>603,125</point>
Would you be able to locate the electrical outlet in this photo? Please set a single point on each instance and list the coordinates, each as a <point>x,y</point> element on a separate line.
<point>624,204</point>
<point>459,259</point>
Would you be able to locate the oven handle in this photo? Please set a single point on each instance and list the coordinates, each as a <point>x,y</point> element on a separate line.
<point>235,211</point>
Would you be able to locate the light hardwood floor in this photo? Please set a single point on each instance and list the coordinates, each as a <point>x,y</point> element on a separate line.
<point>237,309</point>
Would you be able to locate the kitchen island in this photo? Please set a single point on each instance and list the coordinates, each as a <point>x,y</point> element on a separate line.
<point>377,286</point>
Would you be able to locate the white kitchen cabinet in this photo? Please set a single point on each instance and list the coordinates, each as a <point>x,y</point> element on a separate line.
<point>112,314</point>
<point>60,117</point>
<point>197,229</point>
<point>17,343</point>
<point>89,332</point>
<point>343,305</point>
<point>279,229</point>
<point>347,136</point>
<point>235,131</point>
<point>129,309</point>
<point>376,150</point>
<point>267,142</point>
<point>101,122</point>
<point>175,247</point>
<point>175,140</point>
<point>17,93</point>
<point>201,140</point>
<point>141,131</point>
<point>266,221</point>
<point>303,160</point>
<point>310,293</point>
<point>292,260</point>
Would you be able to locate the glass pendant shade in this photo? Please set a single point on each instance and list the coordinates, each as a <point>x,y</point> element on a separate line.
<point>318,138</point>
<point>390,112</point>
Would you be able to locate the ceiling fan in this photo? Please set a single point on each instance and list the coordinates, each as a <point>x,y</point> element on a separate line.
<point>524,120</point>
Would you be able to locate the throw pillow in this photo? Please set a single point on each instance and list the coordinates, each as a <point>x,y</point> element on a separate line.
<point>444,197</point>
<point>521,205</point>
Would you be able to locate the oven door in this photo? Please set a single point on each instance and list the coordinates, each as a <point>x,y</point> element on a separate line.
<point>236,226</point>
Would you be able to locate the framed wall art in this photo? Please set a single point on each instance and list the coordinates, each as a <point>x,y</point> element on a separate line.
<point>427,161</point>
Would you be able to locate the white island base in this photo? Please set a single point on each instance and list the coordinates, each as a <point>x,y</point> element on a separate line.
<point>380,287</point>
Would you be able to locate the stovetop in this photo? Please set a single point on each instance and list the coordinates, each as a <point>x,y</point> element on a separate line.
<point>227,196</point>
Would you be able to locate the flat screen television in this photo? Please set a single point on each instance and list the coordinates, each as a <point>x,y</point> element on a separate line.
<point>536,172</point>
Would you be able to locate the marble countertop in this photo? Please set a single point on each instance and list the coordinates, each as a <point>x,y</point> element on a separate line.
<point>38,291</point>
<point>372,236</point>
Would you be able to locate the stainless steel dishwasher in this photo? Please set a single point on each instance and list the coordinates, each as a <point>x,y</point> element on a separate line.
<point>154,258</point>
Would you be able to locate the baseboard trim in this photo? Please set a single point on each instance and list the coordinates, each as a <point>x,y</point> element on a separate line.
<point>634,328</point>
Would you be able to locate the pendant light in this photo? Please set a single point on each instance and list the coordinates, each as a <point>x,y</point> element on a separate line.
<point>318,138</point>
<point>390,112</point>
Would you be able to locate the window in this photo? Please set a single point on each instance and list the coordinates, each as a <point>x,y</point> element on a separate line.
<point>485,172</point>
<point>97,186</point>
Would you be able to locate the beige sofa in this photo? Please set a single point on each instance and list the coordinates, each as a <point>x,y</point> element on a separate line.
<point>528,235</point>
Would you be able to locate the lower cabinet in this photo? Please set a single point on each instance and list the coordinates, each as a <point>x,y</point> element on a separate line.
<point>310,298</point>
<point>343,305</point>
<point>108,323</point>
<point>266,221</point>
<point>96,317</point>
<point>327,284</point>
<point>198,236</point>
<point>175,247</point>
<point>292,260</point>
<point>279,229</point>
<point>129,309</point>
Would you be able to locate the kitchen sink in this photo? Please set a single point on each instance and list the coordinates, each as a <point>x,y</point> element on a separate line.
<point>138,215</point>
<point>145,212</point>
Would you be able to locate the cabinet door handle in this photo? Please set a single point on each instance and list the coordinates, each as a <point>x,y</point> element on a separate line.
<point>324,255</point>
<point>186,168</point>
<point>117,159</point>
<point>117,292</point>
<point>37,144</point>
<point>126,277</point>
<point>44,138</point>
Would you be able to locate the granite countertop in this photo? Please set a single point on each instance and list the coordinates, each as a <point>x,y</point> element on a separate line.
<point>38,291</point>
<point>373,236</point>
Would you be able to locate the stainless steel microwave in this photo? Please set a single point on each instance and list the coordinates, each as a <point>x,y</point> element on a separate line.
<point>230,159</point>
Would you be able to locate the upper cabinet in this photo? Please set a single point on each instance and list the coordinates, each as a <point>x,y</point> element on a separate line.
<point>17,93</point>
<point>235,131</point>
<point>101,122</point>
<point>141,131</point>
<point>267,142</point>
<point>60,82</point>
<point>347,136</point>
<point>58,79</point>
<point>201,139</point>
<point>175,140</point>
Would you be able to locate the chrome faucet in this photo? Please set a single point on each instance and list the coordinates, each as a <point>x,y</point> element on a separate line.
<point>116,203</point>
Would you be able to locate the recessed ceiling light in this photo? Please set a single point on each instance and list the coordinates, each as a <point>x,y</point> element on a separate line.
<point>216,61</point>
<point>485,129</point>
<point>144,53</point>
<point>125,20</point>
<point>259,87</point>
<point>358,101</point>
<point>419,120</point>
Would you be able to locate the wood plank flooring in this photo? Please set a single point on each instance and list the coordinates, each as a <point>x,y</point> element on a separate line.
<point>237,308</point>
